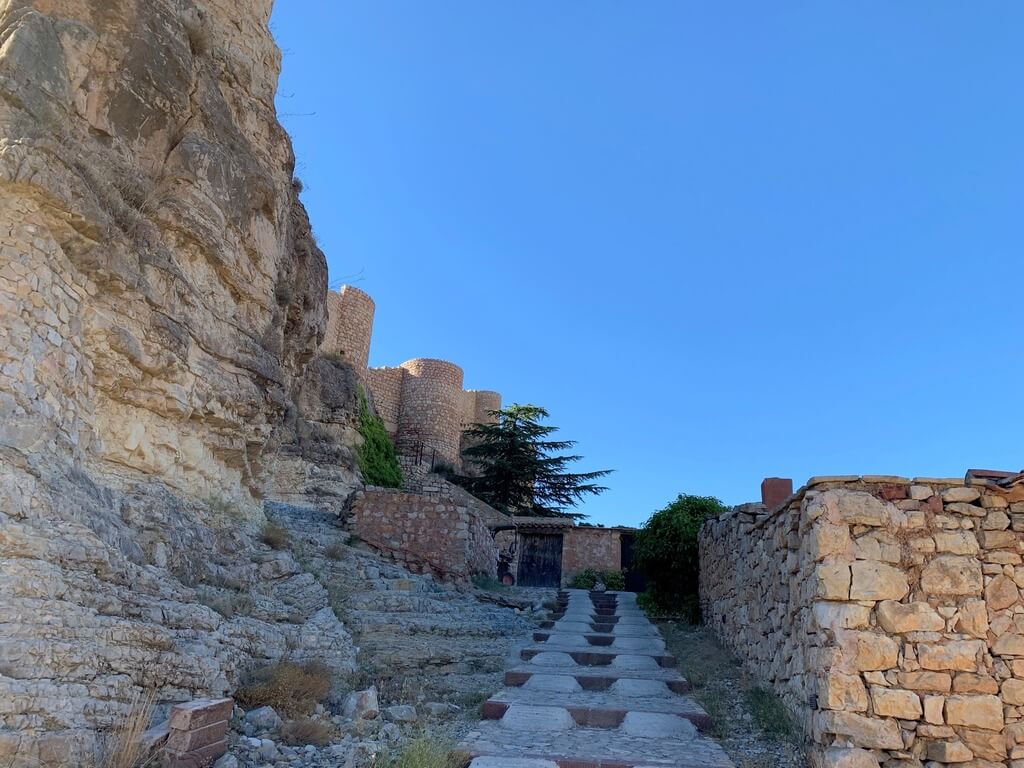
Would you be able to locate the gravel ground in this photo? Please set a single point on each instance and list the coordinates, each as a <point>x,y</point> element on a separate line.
<point>750,723</point>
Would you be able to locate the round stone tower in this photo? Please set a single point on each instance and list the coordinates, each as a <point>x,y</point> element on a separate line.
<point>349,326</point>
<point>431,416</point>
<point>486,401</point>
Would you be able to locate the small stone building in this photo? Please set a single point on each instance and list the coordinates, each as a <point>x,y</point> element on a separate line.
<point>550,551</point>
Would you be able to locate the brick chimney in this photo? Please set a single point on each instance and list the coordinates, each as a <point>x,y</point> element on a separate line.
<point>775,490</point>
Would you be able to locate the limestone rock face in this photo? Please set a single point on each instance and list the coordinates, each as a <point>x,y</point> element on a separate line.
<point>161,297</point>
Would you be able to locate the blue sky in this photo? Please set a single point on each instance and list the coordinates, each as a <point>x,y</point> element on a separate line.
<point>718,241</point>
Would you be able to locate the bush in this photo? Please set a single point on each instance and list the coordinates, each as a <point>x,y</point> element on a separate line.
<point>377,459</point>
<point>293,690</point>
<point>586,579</point>
<point>666,549</point>
<point>306,730</point>
<point>274,536</point>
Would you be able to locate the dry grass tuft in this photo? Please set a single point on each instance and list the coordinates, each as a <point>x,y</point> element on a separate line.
<point>306,730</point>
<point>335,551</point>
<point>274,536</point>
<point>424,752</point>
<point>123,747</point>
<point>293,690</point>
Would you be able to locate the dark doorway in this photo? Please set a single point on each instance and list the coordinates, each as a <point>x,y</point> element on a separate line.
<point>540,560</point>
<point>636,581</point>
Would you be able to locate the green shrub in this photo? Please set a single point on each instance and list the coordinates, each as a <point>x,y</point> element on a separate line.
<point>377,459</point>
<point>666,550</point>
<point>587,578</point>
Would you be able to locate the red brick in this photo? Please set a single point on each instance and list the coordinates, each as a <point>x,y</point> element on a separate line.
<point>195,738</point>
<point>200,713</point>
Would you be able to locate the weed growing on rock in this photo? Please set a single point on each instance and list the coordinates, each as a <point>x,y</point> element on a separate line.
<point>293,690</point>
<point>306,730</point>
<point>335,550</point>
<point>123,747</point>
<point>424,752</point>
<point>274,536</point>
<point>769,713</point>
<point>487,583</point>
<point>228,604</point>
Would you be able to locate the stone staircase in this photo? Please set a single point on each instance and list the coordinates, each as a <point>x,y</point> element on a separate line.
<point>595,689</point>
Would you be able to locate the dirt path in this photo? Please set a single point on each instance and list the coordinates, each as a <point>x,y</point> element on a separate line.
<point>749,721</point>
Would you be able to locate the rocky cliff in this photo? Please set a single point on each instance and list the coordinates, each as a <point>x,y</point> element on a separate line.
<point>161,298</point>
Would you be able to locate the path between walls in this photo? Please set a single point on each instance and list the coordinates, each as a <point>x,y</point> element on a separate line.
<point>595,688</point>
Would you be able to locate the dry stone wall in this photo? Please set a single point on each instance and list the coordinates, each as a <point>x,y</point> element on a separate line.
<point>887,614</point>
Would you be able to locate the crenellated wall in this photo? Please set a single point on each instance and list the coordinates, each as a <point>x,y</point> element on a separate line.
<point>886,612</point>
<point>421,401</point>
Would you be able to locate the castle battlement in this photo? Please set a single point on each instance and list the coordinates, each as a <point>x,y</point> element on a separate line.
<point>421,401</point>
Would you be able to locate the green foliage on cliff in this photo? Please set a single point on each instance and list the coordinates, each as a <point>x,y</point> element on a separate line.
<point>666,550</point>
<point>377,459</point>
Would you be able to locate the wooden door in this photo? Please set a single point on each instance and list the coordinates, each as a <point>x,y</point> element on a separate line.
<point>540,560</point>
<point>636,581</point>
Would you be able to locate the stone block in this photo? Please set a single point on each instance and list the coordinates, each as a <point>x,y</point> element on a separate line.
<point>949,752</point>
<point>952,575</point>
<point>982,711</point>
<point>868,732</point>
<point>956,655</point>
<point>893,702</point>
<point>847,757</point>
<point>874,651</point>
<point>896,618</point>
<point>1001,593</point>
<point>1013,692</point>
<point>843,692</point>
<point>877,581</point>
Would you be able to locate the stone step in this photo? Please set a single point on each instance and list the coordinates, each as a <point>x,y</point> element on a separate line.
<point>560,656</point>
<point>598,710</point>
<point>598,680</point>
<point>552,716</point>
<point>593,627</point>
<point>643,740</point>
<point>645,643</point>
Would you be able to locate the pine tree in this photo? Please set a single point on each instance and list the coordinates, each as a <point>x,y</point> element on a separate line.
<point>519,471</point>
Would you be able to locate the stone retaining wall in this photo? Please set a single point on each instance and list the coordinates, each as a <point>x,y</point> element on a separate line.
<point>886,612</point>
<point>437,532</point>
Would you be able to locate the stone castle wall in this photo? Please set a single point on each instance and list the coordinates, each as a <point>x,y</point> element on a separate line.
<point>349,326</point>
<point>887,614</point>
<point>385,385</point>
<point>433,531</point>
<point>421,402</point>
<point>431,416</point>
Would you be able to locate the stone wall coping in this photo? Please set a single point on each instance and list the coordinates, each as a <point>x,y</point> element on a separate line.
<point>813,482</point>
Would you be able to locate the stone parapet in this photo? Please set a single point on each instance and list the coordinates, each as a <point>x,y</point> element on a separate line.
<point>886,612</point>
